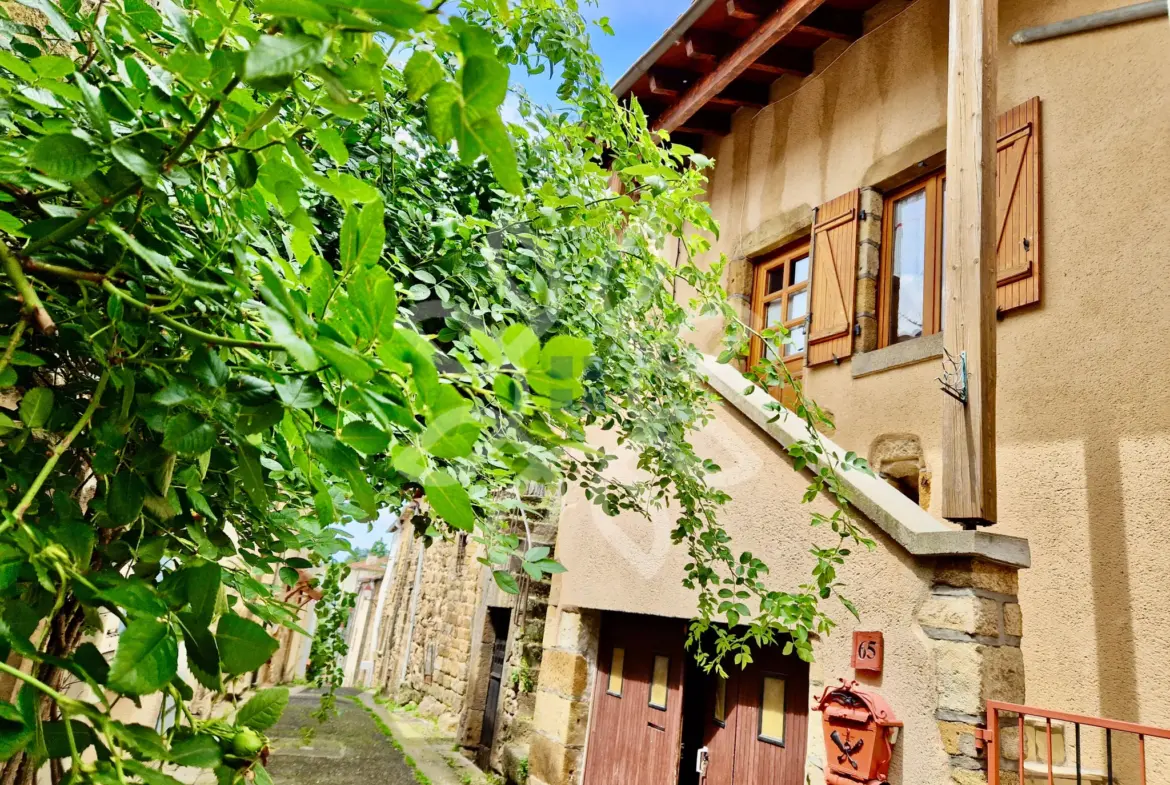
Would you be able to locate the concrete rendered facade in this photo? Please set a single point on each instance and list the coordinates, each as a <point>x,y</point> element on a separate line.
<point>1082,395</point>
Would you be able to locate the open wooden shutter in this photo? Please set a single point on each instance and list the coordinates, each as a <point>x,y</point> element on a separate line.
<point>834,279</point>
<point>1018,206</point>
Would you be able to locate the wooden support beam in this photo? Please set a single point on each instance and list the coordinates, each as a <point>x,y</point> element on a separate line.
<point>705,48</point>
<point>968,427</point>
<point>835,23</point>
<point>671,83</point>
<point>782,22</point>
<point>749,10</point>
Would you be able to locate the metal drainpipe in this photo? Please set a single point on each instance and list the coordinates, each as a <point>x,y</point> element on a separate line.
<point>1116,16</point>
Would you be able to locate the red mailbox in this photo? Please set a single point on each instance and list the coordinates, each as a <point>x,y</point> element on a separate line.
<point>860,731</point>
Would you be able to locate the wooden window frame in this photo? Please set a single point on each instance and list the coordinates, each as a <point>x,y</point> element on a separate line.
<point>761,299</point>
<point>934,185</point>
<point>783,679</point>
<point>653,669</point>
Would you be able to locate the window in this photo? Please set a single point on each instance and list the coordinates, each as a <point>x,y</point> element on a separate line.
<point>780,298</point>
<point>910,294</point>
<point>772,711</point>
<point>720,702</point>
<point>615,672</point>
<point>658,682</point>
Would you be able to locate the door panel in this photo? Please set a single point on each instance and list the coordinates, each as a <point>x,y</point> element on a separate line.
<point>771,739</point>
<point>630,741</point>
<point>720,736</point>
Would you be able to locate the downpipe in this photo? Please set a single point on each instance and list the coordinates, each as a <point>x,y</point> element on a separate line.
<point>1117,16</point>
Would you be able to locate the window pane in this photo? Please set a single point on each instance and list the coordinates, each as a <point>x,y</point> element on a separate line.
<point>772,710</point>
<point>795,342</point>
<point>658,682</point>
<point>799,267</point>
<point>615,672</point>
<point>720,700</point>
<point>908,276</point>
<point>775,280</point>
<point>797,304</point>
<point>773,316</point>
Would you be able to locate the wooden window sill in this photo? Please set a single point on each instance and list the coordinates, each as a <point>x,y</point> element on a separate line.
<point>928,347</point>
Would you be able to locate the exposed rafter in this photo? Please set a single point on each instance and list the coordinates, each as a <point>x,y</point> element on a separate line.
<point>706,123</point>
<point>670,83</point>
<point>772,29</point>
<point>705,48</point>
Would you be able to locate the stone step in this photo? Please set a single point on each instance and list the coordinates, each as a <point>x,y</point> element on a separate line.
<point>1036,773</point>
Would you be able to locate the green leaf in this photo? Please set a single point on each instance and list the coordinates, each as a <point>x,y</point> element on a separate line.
<point>564,356</point>
<point>488,346</point>
<point>11,560</point>
<point>148,774</point>
<point>200,752</point>
<point>7,425</point>
<point>142,740</point>
<point>284,334</point>
<point>52,66</point>
<point>142,13</point>
<point>494,141</point>
<point>147,658</point>
<point>57,22</point>
<point>349,363</point>
<point>443,111</point>
<point>186,434</point>
<point>275,56</point>
<point>485,84</point>
<point>300,392</point>
<point>423,71</point>
<point>207,367</point>
<point>57,741</point>
<point>506,581</point>
<point>451,435</point>
<point>449,500</point>
<point>126,497</point>
<point>365,438</point>
<point>252,475</point>
<point>136,597</point>
<point>36,406</point>
<point>508,392</point>
<point>263,709</point>
<point>522,346</point>
<point>202,652</point>
<point>402,14</point>
<point>371,233</point>
<point>332,143</point>
<point>202,584</point>
<point>243,644</point>
<point>339,459</point>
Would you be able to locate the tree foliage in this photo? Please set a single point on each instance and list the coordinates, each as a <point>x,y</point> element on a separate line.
<point>277,265</point>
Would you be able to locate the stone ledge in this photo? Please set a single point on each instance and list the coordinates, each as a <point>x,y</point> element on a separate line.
<point>908,524</point>
<point>928,347</point>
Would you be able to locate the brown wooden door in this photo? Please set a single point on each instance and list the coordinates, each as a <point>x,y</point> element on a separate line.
<point>721,717</point>
<point>636,728</point>
<point>762,738</point>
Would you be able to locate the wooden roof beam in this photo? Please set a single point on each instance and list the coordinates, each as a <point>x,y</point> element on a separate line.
<point>670,83</point>
<point>782,22</point>
<point>705,48</point>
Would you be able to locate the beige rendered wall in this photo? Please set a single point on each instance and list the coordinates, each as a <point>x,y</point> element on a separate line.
<point>628,564</point>
<point>1084,378</point>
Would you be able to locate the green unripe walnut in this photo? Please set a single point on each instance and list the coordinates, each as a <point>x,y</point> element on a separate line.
<point>247,743</point>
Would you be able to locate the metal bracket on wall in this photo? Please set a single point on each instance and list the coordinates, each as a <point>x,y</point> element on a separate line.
<point>954,376</point>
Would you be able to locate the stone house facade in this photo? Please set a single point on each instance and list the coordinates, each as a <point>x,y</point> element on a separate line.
<point>830,152</point>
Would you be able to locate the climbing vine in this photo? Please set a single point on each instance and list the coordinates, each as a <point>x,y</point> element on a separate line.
<point>272,266</point>
<point>326,666</point>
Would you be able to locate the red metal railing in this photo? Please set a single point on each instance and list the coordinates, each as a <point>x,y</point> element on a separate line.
<point>993,737</point>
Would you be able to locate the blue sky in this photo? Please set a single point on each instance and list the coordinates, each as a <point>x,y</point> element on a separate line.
<point>636,25</point>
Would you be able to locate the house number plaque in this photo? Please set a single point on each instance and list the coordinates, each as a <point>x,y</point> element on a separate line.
<point>868,651</point>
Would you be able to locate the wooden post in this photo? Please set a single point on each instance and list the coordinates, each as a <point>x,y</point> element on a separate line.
<point>969,301</point>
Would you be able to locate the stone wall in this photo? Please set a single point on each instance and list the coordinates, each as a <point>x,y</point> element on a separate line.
<point>563,696</point>
<point>975,626</point>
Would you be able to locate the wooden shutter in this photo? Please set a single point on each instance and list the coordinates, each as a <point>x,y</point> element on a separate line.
<point>1018,206</point>
<point>834,279</point>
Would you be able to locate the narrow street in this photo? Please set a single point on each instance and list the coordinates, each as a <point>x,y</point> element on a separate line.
<point>351,749</point>
<point>348,749</point>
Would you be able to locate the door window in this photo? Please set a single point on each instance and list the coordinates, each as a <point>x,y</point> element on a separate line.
<point>772,710</point>
<point>615,672</point>
<point>658,683</point>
